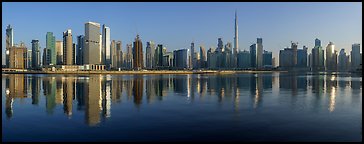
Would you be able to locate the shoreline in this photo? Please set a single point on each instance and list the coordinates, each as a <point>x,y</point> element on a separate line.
<point>139,72</point>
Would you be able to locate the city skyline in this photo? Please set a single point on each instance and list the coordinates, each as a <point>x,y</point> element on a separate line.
<point>224,29</point>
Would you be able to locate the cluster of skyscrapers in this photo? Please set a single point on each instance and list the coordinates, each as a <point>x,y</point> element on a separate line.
<point>96,51</point>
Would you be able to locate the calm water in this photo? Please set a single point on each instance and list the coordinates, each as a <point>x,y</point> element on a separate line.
<point>242,107</point>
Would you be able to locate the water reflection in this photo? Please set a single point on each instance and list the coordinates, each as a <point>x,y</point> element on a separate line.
<point>96,94</point>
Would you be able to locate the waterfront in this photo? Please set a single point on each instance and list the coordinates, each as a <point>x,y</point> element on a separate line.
<point>186,107</point>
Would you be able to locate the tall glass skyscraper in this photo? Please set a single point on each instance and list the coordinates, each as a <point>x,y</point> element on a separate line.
<point>35,54</point>
<point>259,52</point>
<point>51,46</point>
<point>355,56</point>
<point>92,43</point>
<point>9,43</point>
<point>106,55</point>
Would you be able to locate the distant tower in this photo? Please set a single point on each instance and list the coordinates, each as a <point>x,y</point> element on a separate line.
<point>137,54</point>
<point>259,53</point>
<point>193,55</point>
<point>68,58</point>
<point>236,40</point>
<point>9,43</point>
<point>106,59</point>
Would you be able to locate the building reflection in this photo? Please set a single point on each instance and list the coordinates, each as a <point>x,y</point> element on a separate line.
<point>16,88</point>
<point>35,92</point>
<point>138,89</point>
<point>68,95</point>
<point>93,100</point>
<point>96,94</point>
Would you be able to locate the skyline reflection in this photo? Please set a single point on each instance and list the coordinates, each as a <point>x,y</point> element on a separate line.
<point>95,95</point>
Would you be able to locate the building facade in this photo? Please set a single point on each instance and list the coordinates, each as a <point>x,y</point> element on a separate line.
<point>92,43</point>
<point>51,46</point>
<point>137,54</point>
<point>35,54</point>
<point>68,50</point>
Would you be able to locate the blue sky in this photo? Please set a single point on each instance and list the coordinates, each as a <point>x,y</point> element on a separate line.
<point>176,25</point>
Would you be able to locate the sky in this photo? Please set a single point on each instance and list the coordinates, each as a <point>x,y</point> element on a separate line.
<point>177,24</point>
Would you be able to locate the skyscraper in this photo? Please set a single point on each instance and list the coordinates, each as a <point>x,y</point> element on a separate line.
<point>92,43</point>
<point>193,62</point>
<point>267,59</point>
<point>236,42</point>
<point>355,56</point>
<point>59,49</point>
<point>294,48</point>
<point>331,58</point>
<point>68,53</point>
<point>119,54</point>
<point>317,42</point>
<point>181,58</point>
<point>203,57</point>
<point>343,61</point>
<point>51,46</point>
<point>9,43</point>
<point>159,56</point>
<point>149,51</point>
<point>106,58</point>
<point>253,55</point>
<point>35,54</point>
<point>137,54</point>
<point>259,53</point>
<point>80,50</point>
<point>317,55</point>
<point>129,56</point>
<point>18,57</point>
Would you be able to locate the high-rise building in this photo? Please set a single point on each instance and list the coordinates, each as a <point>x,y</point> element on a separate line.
<point>203,57</point>
<point>92,43</point>
<point>355,56</point>
<point>286,58</point>
<point>68,53</point>
<point>243,60</point>
<point>181,58</point>
<point>253,55</point>
<point>149,55</point>
<point>106,55</point>
<point>193,62</point>
<point>46,57</point>
<point>236,42</point>
<point>114,58</point>
<point>317,55</point>
<point>100,48</point>
<point>129,56</point>
<point>59,49</point>
<point>159,56</point>
<point>137,54</point>
<point>302,57</point>
<point>18,57</point>
<point>51,46</point>
<point>9,43</point>
<point>259,53</point>
<point>294,48</point>
<point>35,54</point>
<point>80,50</point>
<point>29,59</point>
<point>119,54</point>
<point>267,59</point>
<point>331,58</point>
<point>317,42</point>
<point>343,61</point>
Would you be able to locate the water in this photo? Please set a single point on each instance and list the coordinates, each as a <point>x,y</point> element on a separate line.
<point>241,107</point>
